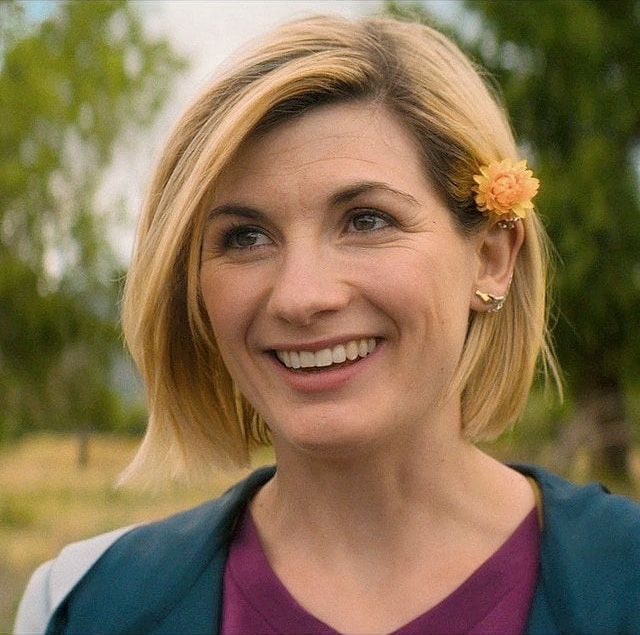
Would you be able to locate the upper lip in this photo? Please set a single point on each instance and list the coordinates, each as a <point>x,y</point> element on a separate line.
<point>319,345</point>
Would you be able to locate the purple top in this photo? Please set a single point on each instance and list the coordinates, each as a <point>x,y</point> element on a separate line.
<point>496,598</point>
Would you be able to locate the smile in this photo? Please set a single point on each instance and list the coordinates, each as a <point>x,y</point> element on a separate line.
<point>347,352</point>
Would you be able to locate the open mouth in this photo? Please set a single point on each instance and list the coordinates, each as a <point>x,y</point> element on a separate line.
<point>326,359</point>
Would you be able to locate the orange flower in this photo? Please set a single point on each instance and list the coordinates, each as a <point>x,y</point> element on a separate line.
<point>505,187</point>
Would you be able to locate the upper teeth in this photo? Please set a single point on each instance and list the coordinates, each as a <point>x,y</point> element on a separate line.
<point>349,350</point>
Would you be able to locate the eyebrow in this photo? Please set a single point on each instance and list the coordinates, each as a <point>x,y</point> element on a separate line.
<point>244,211</point>
<point>348,194</point>
<point>338,198</point>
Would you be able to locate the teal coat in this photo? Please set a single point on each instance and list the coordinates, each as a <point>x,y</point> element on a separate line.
<point>166,578</point>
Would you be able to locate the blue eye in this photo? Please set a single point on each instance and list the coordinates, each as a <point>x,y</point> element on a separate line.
<point>245,238</point>
<point>368,221</point>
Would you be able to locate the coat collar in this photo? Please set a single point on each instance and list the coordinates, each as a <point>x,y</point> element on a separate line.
<point>161,574</point>
<point>590,557</point>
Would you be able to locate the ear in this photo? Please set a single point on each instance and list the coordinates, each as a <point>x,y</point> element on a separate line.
<point>498,248</point>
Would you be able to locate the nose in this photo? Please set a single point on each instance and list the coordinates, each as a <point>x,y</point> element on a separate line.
<point>308,284</point>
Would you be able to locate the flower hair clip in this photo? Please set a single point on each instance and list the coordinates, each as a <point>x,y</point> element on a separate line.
<point>505,188</point>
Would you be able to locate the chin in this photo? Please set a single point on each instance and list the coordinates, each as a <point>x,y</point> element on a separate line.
<point>339,439</point>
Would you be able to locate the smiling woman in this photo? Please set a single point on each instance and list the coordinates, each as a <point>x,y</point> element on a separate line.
<point>325,262</point>
<point>450,126</point>
<point>339,255</point>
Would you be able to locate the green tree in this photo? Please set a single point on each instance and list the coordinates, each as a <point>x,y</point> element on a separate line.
<point>570,76</point>
<point>72,87</point>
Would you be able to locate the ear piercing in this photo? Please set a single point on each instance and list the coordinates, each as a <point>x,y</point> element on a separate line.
<point>508,223</point>
<point>495,302</point>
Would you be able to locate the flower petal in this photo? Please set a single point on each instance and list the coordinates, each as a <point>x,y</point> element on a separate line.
<point>505,186</point>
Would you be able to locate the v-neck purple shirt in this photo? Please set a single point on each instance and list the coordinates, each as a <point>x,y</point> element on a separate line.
<point>496,598</point>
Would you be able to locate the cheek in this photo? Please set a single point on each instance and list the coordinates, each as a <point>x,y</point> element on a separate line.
<point>427,298</point>
<point>427,287</point>
<point>228,304</point>
<point>230,307</point>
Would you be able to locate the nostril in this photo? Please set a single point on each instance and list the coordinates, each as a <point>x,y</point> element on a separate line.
<point>299,297</point>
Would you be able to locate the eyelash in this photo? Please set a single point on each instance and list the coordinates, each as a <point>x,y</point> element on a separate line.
<point>372,213</point>
<point>239,229</point>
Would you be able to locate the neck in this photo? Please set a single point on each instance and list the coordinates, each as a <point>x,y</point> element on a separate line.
<point>410,487</point>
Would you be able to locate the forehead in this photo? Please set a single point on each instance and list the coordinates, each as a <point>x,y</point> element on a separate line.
<point>342,142</point>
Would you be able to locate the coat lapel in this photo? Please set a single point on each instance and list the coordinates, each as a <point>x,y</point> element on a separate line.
<point>173,579</point>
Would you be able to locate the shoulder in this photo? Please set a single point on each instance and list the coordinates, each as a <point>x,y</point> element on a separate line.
<point>202,527</point>
<point>590,554</point>
<point>133,561</point>
<point>588,512</point>
<point>50,583</point>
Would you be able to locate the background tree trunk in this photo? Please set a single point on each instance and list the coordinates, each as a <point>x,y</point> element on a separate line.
<point>84,437</point>
<point>599,425</point>
<point>607,405</point>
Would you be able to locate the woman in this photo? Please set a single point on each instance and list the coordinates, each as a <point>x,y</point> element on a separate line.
<point>339,255</point>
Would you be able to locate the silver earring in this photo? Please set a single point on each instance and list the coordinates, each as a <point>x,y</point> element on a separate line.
<point>508,223</point>
<point>495,302</point>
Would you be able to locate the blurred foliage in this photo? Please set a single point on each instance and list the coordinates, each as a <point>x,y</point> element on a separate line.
<point>72,87</point>
<point>570,76</point>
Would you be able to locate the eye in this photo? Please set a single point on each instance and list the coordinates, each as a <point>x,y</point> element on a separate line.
<point>369,220</point>
<point>245,238</point>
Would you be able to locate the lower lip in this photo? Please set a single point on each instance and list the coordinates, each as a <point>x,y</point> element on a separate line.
<point>324,380</point>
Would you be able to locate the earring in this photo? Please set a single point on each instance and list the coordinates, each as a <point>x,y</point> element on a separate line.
<point>508,223</point>
<point>496,302</point>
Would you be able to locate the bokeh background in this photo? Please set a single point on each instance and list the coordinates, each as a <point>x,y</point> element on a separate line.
<point>88,93</point>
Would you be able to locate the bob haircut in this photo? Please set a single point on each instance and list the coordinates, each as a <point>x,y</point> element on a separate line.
<point>197,417</point>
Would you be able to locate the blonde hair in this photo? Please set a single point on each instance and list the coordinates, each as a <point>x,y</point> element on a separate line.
<point>197,418</point>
